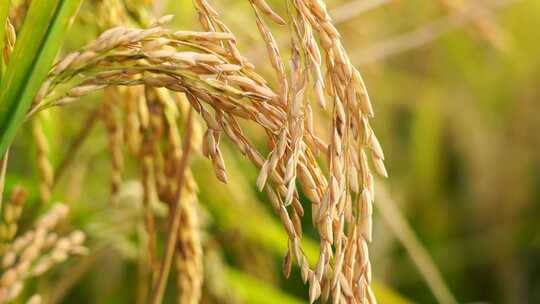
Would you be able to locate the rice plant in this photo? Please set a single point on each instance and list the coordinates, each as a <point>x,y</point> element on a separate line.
<point>186,128</point>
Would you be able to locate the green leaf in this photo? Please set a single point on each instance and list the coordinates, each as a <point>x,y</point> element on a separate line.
<point>41,36</point>
<point>252,290</point>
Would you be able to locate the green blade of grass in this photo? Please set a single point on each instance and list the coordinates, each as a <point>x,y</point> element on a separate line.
<point>252,290</point>
<point>419,254</point>
<point>4,10</point>
<point>45,26</point>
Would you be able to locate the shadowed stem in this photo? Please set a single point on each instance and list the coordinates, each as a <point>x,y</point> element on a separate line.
<point>418,253</point>
<point>76,144</point>
<point>175,212</point>
<point>3,169</point>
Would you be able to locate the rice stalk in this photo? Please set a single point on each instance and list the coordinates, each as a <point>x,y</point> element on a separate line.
<point>149,194</point>
<point>189,254</point>
<point>3,169</point>
<point>75,145</point>
<point>45,167</point>
<point>109,113</point>
<point>175,218</point>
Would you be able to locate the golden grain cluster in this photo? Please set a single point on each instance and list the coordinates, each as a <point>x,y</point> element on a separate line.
<point>154,78</point>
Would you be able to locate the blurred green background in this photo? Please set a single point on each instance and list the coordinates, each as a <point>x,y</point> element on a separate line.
<point>456,91</point>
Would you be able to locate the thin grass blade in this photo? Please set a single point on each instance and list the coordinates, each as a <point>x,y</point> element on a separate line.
<point>41,36</point>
